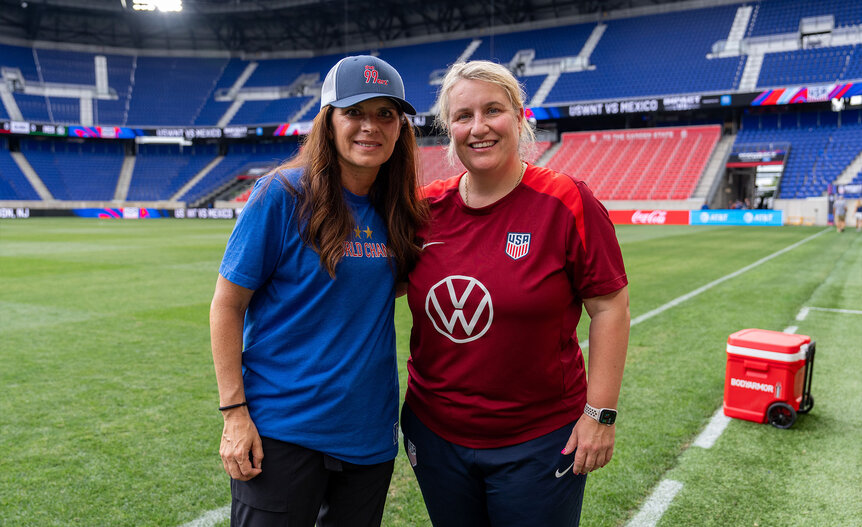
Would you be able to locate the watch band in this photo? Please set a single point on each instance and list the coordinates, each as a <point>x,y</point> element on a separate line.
<point>605,416</point>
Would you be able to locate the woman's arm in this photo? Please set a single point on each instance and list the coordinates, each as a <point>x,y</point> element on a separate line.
<point>609,337</point>
<point>240,436</point>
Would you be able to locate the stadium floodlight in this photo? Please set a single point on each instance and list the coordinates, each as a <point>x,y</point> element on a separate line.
<point>165,6</point>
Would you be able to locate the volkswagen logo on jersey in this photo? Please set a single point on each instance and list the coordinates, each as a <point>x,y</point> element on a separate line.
<point>517,244</point>
<point>460,308</point>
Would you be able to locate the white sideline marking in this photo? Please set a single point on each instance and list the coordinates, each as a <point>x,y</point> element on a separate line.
<point>713,430</point>
<point>803,313</point>
<point>679,300</point>
<point>656,504</point>
<point>659,310</point>
<point>835,310</point>
<point>210,518</point>
<point>791,329</point>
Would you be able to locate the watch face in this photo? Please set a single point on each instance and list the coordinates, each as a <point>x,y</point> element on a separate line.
<point>607,417</point>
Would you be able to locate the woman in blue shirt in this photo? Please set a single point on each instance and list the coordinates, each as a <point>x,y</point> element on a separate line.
<point>302,316</point>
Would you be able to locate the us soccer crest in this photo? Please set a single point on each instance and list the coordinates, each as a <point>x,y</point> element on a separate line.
<point>517,244</point>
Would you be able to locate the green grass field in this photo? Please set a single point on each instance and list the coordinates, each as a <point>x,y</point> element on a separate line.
<point>107,413</point>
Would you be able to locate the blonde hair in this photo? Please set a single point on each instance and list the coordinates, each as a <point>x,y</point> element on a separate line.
<point>493,73</point>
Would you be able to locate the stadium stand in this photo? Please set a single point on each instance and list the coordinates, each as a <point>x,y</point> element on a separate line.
<point>650,55</point>
<point>66,67</point>
<point>783,16</point>
<point>820,149</point>
<point>33,107</point>
<point>240,158</point>
<point>13,183</point>
<point>656,164</point>
<point>76,171</point>
<point>808,65</point>
<point>171,91</point>
<point>655,55</point>
<point>269,112</point>
<point>212,109</point>
<point>121,69</point>
<point>161,170</point>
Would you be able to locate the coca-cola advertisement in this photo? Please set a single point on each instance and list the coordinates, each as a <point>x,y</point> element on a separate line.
<point>649,217</point>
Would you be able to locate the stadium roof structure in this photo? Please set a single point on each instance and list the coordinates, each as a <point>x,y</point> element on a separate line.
<point>282,26</point>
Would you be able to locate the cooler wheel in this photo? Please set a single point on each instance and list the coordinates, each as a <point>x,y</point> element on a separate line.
<point>807,404</point>
<point>781,415</point>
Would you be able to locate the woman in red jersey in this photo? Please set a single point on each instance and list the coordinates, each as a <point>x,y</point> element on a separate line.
<point>497,382</point>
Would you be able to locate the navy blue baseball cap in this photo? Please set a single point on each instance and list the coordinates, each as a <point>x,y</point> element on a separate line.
<point>362,77</point>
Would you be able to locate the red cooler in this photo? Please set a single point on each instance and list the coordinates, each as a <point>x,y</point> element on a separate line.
<point>768,376</point>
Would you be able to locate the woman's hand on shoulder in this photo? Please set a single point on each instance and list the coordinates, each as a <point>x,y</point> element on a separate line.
<point>241,450</point>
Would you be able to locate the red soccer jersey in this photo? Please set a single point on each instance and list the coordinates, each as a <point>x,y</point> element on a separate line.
<point>496,298</point>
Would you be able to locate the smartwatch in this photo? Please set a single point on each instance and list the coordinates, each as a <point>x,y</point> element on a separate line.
<point>605,416</point>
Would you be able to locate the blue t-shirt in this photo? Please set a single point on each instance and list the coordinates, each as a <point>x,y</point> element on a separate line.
<point>319,363</point>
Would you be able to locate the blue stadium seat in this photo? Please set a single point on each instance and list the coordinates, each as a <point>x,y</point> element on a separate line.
<point>13,184</point>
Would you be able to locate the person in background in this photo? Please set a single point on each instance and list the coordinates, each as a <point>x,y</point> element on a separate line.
<point>859,215</point>
<point>839,209</point>
<point>301,320</point>
<point>501,422</point>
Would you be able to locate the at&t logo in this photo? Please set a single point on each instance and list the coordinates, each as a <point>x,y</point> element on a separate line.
<point>460,308</point>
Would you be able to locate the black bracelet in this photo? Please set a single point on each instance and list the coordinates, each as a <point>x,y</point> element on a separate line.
<point>228,407</point>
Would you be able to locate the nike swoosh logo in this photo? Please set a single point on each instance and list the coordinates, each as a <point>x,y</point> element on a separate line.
<point>430,243</point>
<point>559,474</point>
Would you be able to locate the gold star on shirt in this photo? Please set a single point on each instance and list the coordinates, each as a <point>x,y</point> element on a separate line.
<point>367,231</point>
<point>357,231</point>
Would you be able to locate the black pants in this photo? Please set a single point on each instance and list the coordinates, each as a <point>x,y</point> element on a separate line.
<point>525,485</point>
<point>299,486</point>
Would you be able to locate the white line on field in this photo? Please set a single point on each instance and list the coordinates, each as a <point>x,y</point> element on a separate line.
<point>659,310</point>
<point>210,518</point>
<point>791,329</point>
<point>713,430</point>
<point>688,296</point>
<point>656,504</point>
<point>802,314</point>
<point>835,310</point>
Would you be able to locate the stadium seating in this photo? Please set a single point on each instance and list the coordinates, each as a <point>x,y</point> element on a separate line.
<point>121,70</point>
<point>655,55</point>
<point>161,170</point>
<point>171,91</point>
<point>213,110</point>
<point>239,159</point>
<point>808,66</point>
<point>76,171</point>
<point>658,163</point>
<point>819,152</point>
<point>640,56</point>
<point>13,184</point>
<point>782,16</point>
<point>269,112</point>
<point>33,107</point>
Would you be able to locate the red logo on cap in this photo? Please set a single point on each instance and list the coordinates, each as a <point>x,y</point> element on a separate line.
<point>371,76</point>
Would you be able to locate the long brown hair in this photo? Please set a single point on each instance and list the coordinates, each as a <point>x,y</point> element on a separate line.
<point>325,219</point>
